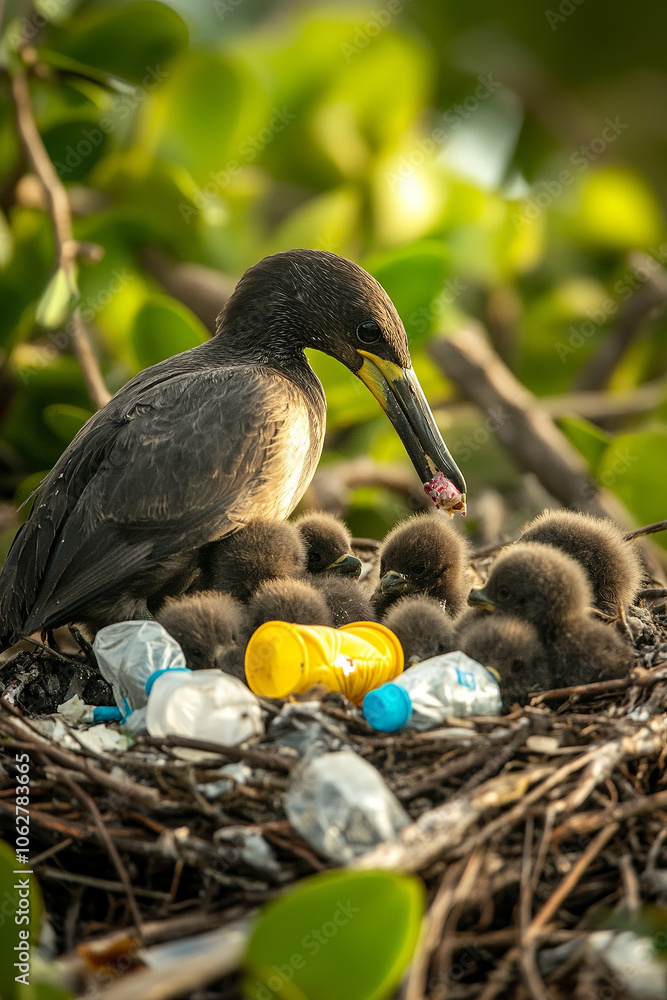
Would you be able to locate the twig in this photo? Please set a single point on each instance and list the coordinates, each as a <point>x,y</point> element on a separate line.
<point>648,529</point>
<point>520,423</point>
<point>111,848</point>
<point>653,292</point>
<point>260,758</point>
<point>67,247</point>
<point>569,882</point>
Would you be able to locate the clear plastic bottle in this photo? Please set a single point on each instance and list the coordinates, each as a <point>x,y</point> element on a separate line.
<point>423,696</point>
<point>202,704</point>
<point>340,805</point>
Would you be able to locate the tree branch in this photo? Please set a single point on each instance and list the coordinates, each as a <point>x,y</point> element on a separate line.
<point>67,248</point>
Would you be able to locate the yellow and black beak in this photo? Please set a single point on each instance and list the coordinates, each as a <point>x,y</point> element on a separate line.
<point>345,565</point>
<point>392,584</point>
<point>401,397</point>
<point>480,599</point>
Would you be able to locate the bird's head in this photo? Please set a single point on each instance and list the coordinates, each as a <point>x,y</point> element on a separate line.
<point>313,298</point>
<point>536,583</point>
<point>423,555</point>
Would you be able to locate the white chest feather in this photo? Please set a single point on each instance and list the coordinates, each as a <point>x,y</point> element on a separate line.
<point>300,450</point>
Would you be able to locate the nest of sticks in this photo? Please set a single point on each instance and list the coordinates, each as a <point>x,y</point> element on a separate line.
<point>529,830</point>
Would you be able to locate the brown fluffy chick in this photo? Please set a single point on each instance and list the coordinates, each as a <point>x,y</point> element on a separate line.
<point>328,545</point>
<point>422,627</point>
<point>547,588</point>
<point>240,563</point>
<point>346,599</point>
<point>613,564</point>
<point>425,555</point>
<point>513,649</point>
<point>206,625</point>
<point>295,601</point>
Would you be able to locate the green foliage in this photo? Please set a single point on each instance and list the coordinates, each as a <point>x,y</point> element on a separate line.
<point>163,327</point>
<point>338,936</point>
<point>219,133</point>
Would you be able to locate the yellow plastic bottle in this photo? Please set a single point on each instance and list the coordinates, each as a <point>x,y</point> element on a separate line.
<point>284,659</point>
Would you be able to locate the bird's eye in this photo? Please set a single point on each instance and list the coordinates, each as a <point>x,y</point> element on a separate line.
<point>504,593</point>
<point>369,332</point>
<point>419,570</point>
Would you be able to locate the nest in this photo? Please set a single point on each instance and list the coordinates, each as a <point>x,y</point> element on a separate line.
<point>528,829</point>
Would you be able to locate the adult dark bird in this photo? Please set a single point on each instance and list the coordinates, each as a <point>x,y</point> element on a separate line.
<point>548,589</point>
<point>205,625</point>
<point>328,545</point>
<point>613,564</point>
<point>194,448</point>
<point>422,627</point>
<point>513,649</point>
<point>239,563</point>
<point>424,554</point>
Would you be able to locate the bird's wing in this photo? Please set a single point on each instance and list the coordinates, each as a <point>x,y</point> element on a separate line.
<point>187,461</point>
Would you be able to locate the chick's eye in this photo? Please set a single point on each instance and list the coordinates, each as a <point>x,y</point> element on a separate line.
<point>504,593</point>
<point>369,332</point>
<point>419,570</point>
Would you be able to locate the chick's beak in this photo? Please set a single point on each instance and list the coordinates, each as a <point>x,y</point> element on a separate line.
<point>480,599</point>
<point>345,565</point>
<point>401,397</point>
<point>393,583</point>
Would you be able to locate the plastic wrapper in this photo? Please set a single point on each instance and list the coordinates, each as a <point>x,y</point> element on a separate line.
<point>340,804</point>
<point>129,652</point>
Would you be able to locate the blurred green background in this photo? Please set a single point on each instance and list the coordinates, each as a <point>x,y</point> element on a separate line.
<point>503,165</point>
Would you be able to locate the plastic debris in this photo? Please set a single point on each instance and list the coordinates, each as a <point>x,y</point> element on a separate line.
<point>230,775</point>
<point>76,712</point>
<point>341,806</point>
<point>448,685</point>
<point>283,659</point>
<point>238,843</point>
<point>202,704</point>
<point>128,653</point>
<point>304,727</point>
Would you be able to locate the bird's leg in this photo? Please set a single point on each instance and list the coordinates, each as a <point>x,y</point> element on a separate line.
<point>626,628</point>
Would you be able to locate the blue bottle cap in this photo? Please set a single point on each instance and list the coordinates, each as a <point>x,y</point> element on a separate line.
<point>387,708</point>
<point>167,670</point>
<point>107,713</point>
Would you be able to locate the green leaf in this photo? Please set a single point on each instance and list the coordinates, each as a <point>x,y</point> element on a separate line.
<point>75,146</point>
<point>15,895</point>
<point>343,935</point>
<point>57,300</point>
<point>163,327</point>
<point>589,440</point>
<point>417,280</point>
<point>132,41</point>
<point>65,420</point>
<point>633,467</point>
<point>206,119</point>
